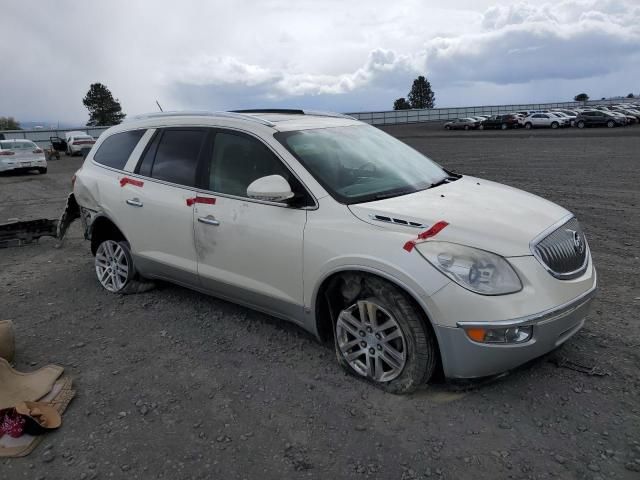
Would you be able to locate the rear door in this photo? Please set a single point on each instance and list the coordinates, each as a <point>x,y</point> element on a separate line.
<point>249,251</point>
<point>158,214</point>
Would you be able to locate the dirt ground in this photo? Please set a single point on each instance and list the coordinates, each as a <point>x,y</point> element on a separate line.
<point>173,384</point>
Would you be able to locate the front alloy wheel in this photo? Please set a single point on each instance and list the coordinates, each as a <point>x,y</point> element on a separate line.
<point>113,266</point>
<point>371,341</point>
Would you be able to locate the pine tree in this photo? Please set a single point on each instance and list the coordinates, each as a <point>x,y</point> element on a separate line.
<point>421,94</point>
<point>104,110</point>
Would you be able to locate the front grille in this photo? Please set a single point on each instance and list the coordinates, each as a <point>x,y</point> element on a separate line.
<point>564,251</point>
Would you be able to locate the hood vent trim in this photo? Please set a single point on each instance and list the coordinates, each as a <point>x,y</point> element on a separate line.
<point>397,221</point>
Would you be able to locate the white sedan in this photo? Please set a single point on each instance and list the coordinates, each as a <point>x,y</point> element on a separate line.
<point>20,154</point>
<point>538,120</point>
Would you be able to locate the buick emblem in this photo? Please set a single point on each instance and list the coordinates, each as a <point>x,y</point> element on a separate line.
<point>578,242</point>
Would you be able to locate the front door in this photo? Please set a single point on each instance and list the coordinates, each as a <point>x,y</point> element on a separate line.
<point>249,251</point>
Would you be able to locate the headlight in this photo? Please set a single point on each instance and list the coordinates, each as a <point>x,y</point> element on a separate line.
<point>476,270</point>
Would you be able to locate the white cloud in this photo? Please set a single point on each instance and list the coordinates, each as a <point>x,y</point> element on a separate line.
<point>212,54</point>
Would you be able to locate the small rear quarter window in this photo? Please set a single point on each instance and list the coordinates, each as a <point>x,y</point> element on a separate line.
<point>115,150</point>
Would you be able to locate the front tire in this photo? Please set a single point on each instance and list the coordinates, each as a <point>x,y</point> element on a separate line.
<point>382,337</point>
<point>611,124</point>
<point>481,127</point>
<point>528,125</point>
<point>42,170</point>
<point>466,127</point>
<point>554,125</point>
<point>580,124</point>
<point>504,126</point>
<point>115,269</point>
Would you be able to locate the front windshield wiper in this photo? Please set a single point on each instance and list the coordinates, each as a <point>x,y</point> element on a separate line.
<point>395,193</point>
<point>444,181</point>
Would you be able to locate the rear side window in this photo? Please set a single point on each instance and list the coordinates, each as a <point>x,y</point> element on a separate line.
<point>173,156</point>
<point>115,150</point>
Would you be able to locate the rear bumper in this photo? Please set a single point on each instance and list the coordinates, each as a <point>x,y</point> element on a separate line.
<point>7,165</point>
<point>464,358</point>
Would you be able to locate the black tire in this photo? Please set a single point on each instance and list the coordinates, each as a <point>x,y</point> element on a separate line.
<point>466,127</point>
<point>421,348</point>
<point>447,127</point>
<point>134,283</point>
<point>580,124</point>
<point>481,127</point>
<point>42,170</point>
<point>554,125</point>
<point>611,124</point>
<point>504,126</point>
<point>528,125</point>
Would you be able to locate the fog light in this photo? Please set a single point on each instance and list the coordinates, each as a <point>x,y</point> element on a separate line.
<point>500,335</point>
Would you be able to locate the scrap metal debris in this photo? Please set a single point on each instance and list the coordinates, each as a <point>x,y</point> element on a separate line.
<point>564,362</point>
<point>15,233</point>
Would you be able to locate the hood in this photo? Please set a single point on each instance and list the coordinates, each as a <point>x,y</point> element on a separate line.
<point>480,213</point>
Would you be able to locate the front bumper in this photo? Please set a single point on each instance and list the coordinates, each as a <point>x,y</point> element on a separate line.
<point>464,358</point>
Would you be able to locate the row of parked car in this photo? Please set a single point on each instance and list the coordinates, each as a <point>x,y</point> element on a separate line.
<point>596,116</point>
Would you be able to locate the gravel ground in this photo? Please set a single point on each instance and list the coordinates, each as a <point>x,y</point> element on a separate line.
<point>174,384</point>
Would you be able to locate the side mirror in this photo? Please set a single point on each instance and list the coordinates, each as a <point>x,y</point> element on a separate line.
<point>272,188</point>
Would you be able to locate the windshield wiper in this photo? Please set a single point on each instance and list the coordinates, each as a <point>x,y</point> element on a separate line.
<point>444,181</point>
<point>395,193</point>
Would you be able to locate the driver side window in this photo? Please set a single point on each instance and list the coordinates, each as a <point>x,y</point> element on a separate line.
<point>238,160</point>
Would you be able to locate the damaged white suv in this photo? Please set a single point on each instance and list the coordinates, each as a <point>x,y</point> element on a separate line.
<point>334,225</point>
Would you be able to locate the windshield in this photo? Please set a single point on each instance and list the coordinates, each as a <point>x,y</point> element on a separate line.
<point>361,163</point>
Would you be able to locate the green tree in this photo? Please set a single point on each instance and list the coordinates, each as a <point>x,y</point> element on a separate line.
<point>9,123</point>
<point>631,96</point>
<point>104,110</point>
<point>421,94</point>
<point>581,97</point>
<point>401,104</point>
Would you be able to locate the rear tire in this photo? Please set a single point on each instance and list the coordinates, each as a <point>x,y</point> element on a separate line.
<point>481,127</point>
<point>528,126</point>
<point>504,126</point>
<point>466,127</point>
<point>580,124</point>
<point>115,269</point>
<point>406,346</point>
<point>554,125</point>
<point>42,170</point>
<point>611,124</point>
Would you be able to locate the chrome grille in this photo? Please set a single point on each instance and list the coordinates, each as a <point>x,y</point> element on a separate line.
<point>564,251</point>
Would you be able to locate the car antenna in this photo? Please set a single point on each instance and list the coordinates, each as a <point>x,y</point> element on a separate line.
<point>158,103</point>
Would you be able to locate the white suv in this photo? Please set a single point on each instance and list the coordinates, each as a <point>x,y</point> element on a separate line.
<point>342,229</point>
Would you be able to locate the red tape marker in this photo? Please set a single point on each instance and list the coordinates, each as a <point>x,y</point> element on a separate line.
<point>205,200</point>
<point>433,231</point>
<point>130,181</point>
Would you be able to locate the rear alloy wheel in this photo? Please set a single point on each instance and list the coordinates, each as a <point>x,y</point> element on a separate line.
<point>580,124</point>
<point>383,339</point>
<point>481,127</point>
<point>611,124</point>
<point>528,126</point>
<point>554,125</point>
<point>504,126</point>
<point>115,269</point>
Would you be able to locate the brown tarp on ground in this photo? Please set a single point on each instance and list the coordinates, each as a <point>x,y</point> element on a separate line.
<point>16,387</point>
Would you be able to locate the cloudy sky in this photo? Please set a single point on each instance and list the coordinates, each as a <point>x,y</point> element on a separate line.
<point>323,54</point>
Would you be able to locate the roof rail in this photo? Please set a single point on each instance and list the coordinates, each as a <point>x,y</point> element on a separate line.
<point>293,111</point>
<point>201,113</point>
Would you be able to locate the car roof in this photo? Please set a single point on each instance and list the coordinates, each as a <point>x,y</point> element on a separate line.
<point>278,120</point>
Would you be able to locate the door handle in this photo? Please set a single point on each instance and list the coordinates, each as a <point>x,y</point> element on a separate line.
<point>209,220</point>
<point>134,202</point>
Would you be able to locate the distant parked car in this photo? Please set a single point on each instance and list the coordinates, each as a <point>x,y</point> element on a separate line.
<point>541,120</point>
<point>500,121</point>
<point>565,121</point>
<point>21,154</point>
<point>77,141</point>
<point>462,124</point>
<point>598,118</point>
